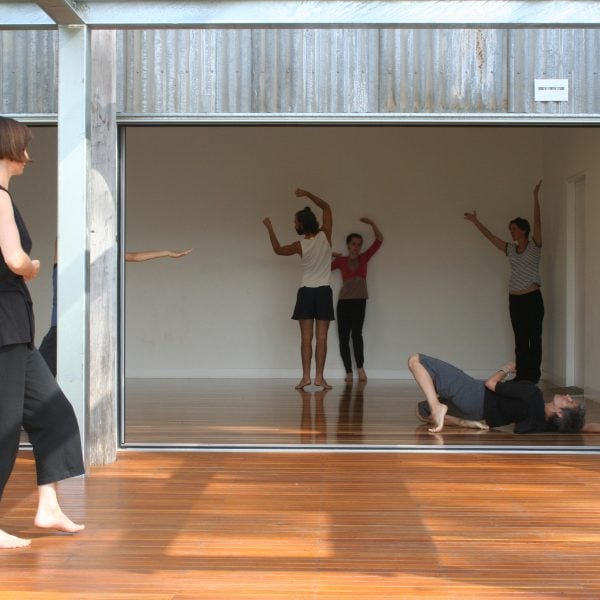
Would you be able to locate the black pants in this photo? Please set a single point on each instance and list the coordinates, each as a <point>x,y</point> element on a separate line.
<point>350,319</point>
<point>526,316</point>
<point>48,349</point>
<point>30,396</point>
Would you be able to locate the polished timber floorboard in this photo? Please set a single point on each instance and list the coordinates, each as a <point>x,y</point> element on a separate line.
<point>232,412</point>
<point>315,526</point>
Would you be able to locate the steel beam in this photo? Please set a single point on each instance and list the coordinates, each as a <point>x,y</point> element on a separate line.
<point>73,170</point>
<point>61,12</point>
<point>145,14</point>
<point>336,13</point>
<point>24,15</point>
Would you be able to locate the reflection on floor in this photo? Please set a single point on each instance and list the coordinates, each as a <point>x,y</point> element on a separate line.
<point>232,412</point>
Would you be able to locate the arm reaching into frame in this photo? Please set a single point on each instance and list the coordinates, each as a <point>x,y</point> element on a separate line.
<point>152,254</point>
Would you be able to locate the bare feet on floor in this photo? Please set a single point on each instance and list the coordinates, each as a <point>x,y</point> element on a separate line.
<point>437,417</point>
<point>12,541</point>
<point>56,519</point>
<point>322,383</point>
<point>303,383</point>
<point>362,376</point>
<point>348,378</point>
<point>475,424</point>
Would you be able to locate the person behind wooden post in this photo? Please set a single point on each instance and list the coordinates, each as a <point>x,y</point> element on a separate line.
<point>48,347</point>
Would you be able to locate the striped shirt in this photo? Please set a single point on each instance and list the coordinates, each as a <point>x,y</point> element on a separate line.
<point>524,266</point>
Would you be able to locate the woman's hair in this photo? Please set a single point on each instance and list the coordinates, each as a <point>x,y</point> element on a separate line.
<point>14,139</point>
<point>308,221</point>
<point>522,224</point>
<point>351,236</point>
<point>571,419</point>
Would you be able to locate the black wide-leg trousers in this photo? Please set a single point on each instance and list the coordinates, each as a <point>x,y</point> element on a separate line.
<point>527,315</point>
<point>30,397</point>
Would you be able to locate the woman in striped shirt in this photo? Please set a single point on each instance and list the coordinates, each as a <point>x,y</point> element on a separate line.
<point>525,298</point>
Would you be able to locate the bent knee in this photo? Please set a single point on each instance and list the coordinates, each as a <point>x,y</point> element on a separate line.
<point>414,360</point>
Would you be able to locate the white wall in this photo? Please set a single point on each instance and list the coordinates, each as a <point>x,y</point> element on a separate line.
<point>436,286</point>
<point>568,153</point>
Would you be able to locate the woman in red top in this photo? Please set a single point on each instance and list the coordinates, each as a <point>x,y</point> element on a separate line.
<point>352,300</point>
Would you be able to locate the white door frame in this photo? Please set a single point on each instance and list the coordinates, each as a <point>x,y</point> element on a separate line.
<point>571,333</point>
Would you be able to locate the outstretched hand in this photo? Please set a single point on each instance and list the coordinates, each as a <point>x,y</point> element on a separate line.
<point>267,223</point>
<point>536,189</point>
<point>301,193</point>
<point>471,216</point>
<point>366,220</point>
<point>178,253</point>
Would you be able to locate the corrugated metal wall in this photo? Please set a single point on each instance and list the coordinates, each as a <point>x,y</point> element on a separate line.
<point>28,72</point>
<point>321,71</point>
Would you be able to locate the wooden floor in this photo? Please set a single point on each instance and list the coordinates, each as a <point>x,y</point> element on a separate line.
<point>313,525</point>
<point>237,412</point>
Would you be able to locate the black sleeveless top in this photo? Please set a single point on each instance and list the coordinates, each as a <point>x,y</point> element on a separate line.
<point>16,307</point>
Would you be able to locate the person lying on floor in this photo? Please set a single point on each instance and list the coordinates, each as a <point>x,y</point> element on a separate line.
<point>492,403</point>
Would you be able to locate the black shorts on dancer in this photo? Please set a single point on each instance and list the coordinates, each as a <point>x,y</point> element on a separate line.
<point>314,303</point>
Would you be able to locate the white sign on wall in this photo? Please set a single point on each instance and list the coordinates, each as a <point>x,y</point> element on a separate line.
<point>551,90</point>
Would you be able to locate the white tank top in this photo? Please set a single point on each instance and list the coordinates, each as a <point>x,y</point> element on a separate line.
<point>316,261</point>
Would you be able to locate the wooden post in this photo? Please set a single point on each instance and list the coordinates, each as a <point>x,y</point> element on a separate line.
<point>101,446</point>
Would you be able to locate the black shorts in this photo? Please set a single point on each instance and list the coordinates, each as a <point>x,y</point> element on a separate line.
<point>314,303</point>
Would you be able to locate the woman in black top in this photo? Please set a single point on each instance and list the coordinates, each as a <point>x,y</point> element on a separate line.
<point>29,395</point>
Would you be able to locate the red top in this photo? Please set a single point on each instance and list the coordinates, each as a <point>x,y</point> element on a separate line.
<point>342,264</point>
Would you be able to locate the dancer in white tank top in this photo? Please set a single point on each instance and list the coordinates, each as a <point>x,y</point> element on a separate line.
<point>314,302</point>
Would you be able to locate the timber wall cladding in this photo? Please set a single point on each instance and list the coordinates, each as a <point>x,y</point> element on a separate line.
<point>320,71</point>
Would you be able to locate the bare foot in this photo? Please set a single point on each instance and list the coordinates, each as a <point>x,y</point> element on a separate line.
<point>475,424</point>
<point>322,383</point>
<point>56,519</point>
<point>12,541</point>
<point>348,378</point>
<point>362,376</point>
<point>303,383</point>
<point>437,418</point>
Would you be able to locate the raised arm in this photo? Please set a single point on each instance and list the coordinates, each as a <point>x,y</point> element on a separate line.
<point>324,206</point>
<point>152,254</point>
<point>376,231</point>
<point>537,217</point>
<point>500,244</point>
<point>289,250</point>
<point>17,260</point>
<point>499,375</point>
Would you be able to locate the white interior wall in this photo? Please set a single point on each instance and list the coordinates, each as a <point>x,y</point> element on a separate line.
<point>569,153</point>
<point>436,286</point>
